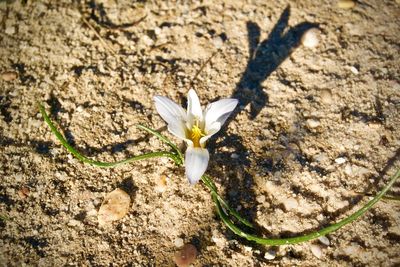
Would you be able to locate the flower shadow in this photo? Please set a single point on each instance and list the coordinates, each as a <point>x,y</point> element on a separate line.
<point>265,57</point>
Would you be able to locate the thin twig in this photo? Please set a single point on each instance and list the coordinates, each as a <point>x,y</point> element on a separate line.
<point>107,46</point>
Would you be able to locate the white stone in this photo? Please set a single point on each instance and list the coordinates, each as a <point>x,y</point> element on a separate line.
<point>10,30</point>
<point>73,223</point>
<point>247,249</point>
<point>340,160</point>
<point>316,251</point>
<point>260,199</point>
<point>147,40</point>
<point>324,240</point>
<point>234,156</point>
<point>348,170</point>
<point>354,70</point>
<point>270,254</point>
<point>313,123</point>
<point>290,204</point>
<point>178,242</point>
<point>310,38</point>
<point>218,42</point>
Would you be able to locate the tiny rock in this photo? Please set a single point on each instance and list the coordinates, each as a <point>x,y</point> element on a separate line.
<point>316,251</point>
<point>218,42</point>
<point>324,240</point>
<point>73,223</point>
<point>346,4</point>
<point>9,76</point>
<point>290,204</point>
<point>234,156</point>
<point>161,183</point>
<point>313,123</point>
<point>352,249</point>
<point>354,70</point>
<point>270,254</point>
<point>10,30</point>
<point>326,96</point>
<point>114,207</point>
<point>23,192</point>
<point>178,242</point>
<point>310,38</point>
<point>186,255</point>
<point>247,249</point>
<point>340,160</point>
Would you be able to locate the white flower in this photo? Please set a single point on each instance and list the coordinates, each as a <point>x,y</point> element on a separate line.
<point>195,126</point>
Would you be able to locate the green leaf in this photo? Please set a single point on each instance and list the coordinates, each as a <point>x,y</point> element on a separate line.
<point>302,238</point>
<point>85,159</point>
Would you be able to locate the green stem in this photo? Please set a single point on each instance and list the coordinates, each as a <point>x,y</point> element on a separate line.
<point>165,140</point>
<point>210,184</point>
<point>302,238</point>
<point>81,157</point>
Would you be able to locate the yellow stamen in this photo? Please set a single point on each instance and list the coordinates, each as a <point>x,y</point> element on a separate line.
<point>195,135</point>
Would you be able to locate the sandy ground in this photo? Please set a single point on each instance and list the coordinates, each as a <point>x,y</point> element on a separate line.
<point>314,127</point>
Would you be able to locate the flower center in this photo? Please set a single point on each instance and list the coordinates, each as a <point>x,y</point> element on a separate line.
<point>196,134</point>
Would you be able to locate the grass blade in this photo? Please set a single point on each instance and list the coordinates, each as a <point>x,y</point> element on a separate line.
<point>307,237</point>
<point>83,158</point>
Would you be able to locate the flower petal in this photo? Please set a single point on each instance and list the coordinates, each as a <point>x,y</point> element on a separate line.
<point>219,111</point>
<point>212,129</point>
<point>179,130</point>
<point>196,162</point>
<point>194,108</point>
<point>171,112</point>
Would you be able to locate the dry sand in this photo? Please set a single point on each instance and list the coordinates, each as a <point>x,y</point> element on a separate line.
<point>314,127</point>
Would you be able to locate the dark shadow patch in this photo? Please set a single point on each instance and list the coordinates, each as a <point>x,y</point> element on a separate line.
<point>129,187</point>
<point>55,106</point>
<point>38,244</point>
<point>41,147</point>
<point>378,117</point>
<point>79,70</point>
<point>5,103</point>
<point>80,216</point>
<point>265,57</point>
<point>23,77</point>
<point>49,211</point>
<point>6,199</point>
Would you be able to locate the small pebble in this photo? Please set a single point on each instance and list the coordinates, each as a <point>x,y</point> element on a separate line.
<point>316,251</point>
<point>340,160</point>
<point>23,192</point>
<point>247,249</point>
<point>354,70</point>
<point>186,255</point>
<point>290,204</point>
<point>178,242</point>
<point>10,30</point>
<point>73,223</point>
<point>270,254</point>
<point>324,240</point>
<point>310,38</point>
<point>218,42</point>
<point>115,206</point>
<point>348,170</point>
<point>346,4</point>
<point>352,249</point>
<point>234,156</point>
<point>326,96</point>
<point>161,183</point>
<point>9,76</point>
<point>147,40</point>
<point>260,199</point>
<point>313,123</point>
